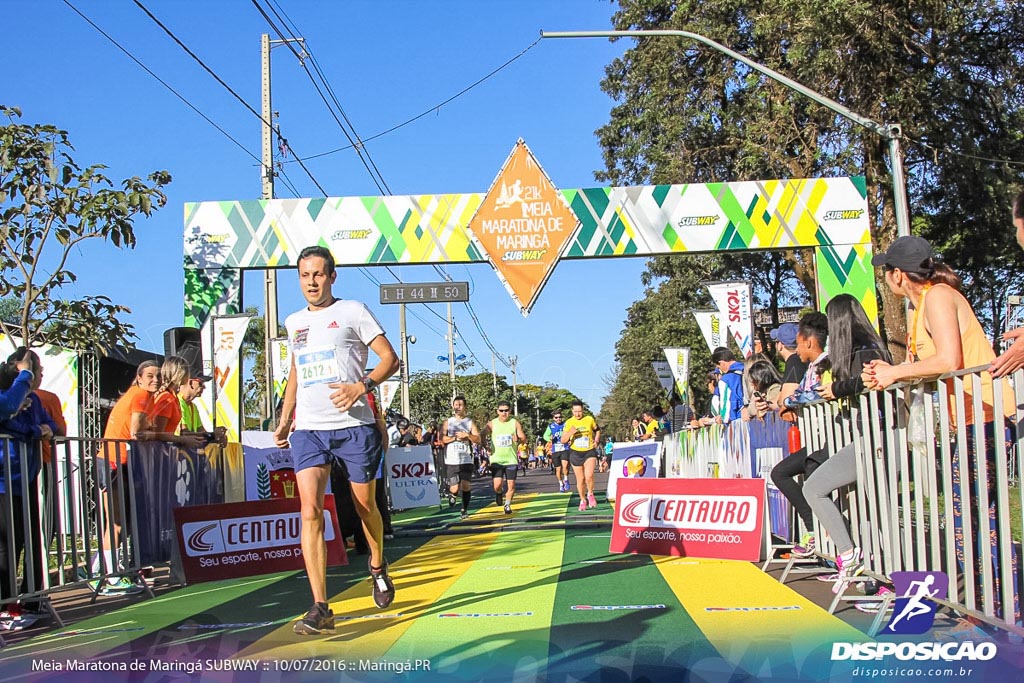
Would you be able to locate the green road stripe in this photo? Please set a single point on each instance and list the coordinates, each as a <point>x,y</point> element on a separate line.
<point>511,588</point>
<point>635,637</point>
<point>113,630</point>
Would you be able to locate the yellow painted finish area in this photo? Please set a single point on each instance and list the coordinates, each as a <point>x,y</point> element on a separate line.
<point>362,630</point>
<point>499,611</point>
<point>751,618</point>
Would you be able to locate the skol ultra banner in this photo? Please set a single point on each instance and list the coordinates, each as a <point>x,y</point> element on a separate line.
<point>710,324</point>
<point>734,303</point>
<point>679,364</point>
<point>411,477</point>
<point>522,224</point>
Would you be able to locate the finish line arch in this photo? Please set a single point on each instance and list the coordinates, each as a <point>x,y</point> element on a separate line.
<point>523,226</point>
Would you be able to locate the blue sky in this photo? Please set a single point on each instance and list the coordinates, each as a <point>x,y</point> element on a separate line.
<point>387,62</point>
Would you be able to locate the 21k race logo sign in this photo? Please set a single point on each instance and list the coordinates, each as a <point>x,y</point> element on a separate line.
<point>522,224</point>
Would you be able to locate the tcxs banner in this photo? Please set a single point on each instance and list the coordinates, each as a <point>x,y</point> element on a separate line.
<point>244,539</point>
<point>716,518</point>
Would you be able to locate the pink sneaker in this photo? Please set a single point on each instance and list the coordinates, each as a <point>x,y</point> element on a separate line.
<point>591,501</point>
<point>583,505</point>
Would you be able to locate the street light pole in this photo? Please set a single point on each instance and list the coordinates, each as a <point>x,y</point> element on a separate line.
<point>892,133</point>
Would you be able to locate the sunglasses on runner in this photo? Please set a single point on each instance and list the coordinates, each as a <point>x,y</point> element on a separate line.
<point>502,410</point>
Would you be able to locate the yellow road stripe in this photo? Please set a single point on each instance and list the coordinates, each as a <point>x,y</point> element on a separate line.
<point>365,632</point>
<point>787,631</point>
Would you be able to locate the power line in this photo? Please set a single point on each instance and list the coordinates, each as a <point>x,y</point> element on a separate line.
<point>356,144</point>
<point>946,150</point>
<point>227,87</point>
<point>435,108</point>
<point>348,129</point>
<point>161,81</point>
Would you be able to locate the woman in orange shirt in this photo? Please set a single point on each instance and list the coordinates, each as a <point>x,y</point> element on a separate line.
<point>165,413</point>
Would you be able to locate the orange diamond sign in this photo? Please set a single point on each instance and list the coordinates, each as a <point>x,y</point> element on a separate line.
<point>523,223</point>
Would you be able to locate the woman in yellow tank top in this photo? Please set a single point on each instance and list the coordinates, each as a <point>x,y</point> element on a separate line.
<point>944,335</point>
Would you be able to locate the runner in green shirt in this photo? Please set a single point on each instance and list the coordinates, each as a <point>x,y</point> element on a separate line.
<point>505,432</point>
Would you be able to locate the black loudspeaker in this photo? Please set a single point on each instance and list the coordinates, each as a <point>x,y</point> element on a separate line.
<point>185,342</point>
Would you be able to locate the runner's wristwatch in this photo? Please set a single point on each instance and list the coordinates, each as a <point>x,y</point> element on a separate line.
<point>368,383</point>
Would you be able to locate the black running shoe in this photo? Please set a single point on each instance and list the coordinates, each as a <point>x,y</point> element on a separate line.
<point>499,498</point>
<point>451,500</point>
<point>317,620</point>
<point>464,515</point>
<point>508,509</point>
<point>383,586</point>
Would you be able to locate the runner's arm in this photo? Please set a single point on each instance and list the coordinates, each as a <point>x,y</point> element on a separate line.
<point>287,409</point>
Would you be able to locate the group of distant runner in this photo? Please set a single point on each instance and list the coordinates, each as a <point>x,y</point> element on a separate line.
<point>329,418</point>
<point>572,444</point>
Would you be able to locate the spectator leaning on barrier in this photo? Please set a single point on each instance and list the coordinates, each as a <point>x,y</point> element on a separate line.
<point>944,335</point>
<point>165,413</point>
<point>795,369</point>
<point>811,338</point>
<point>853,343</point>
<point>1012,358</point>
<point>188,392</point>
<point>636,429</point>
<point>730,384</point>
<point>765,385</point>
<point>28,425</point>
<point>650,426</point>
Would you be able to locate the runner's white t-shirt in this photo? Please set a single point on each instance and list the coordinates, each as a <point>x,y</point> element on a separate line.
<point>327,346</point>
<point>459,452</point>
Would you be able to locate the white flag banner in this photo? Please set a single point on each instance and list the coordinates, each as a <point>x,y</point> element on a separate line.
<point>679,364</point>
<point>733,300</point>
<point>388,390</point>
<point>710,324</point>
<point>664,373</point>
<point>281,362</point>
<point>225,345</point>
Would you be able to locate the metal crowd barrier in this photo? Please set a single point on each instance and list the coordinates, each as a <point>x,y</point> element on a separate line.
<point>933,492</point>
<point>63,521</point>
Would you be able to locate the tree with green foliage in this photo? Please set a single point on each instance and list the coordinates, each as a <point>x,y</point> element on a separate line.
<point>950,74</point>
<point>49,206</point>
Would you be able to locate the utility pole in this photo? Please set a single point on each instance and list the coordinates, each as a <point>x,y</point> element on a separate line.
<point>494,374</point>
<point>270,331</point>
<point>451,347</point>
<point>404,368</point>
<point>515,385</point>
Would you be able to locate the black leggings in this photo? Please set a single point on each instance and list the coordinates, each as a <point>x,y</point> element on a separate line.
<point>784,477</point>
<point>9,556</point>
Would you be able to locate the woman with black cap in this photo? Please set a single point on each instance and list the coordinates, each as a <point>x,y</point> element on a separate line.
<point>944,335</point>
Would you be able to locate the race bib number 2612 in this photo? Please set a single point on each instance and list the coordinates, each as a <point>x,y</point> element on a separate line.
<point>317,365</point>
